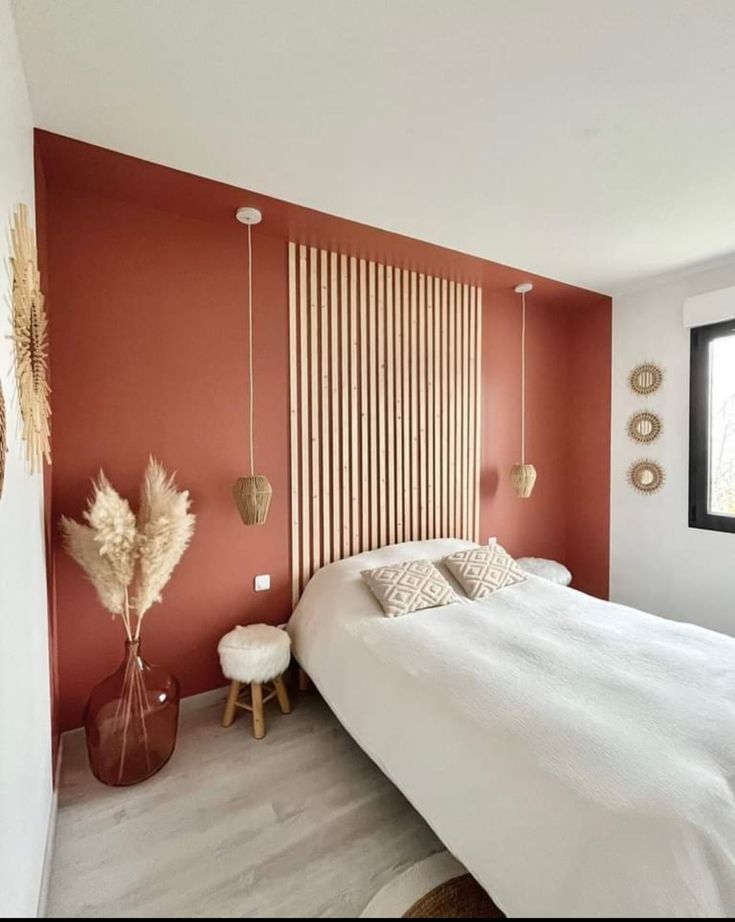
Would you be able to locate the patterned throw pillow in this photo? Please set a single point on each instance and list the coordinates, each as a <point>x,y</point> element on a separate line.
<point>405,587</point>
<point>482,570</point>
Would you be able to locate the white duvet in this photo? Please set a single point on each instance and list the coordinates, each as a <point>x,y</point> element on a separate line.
<point>577,756</point>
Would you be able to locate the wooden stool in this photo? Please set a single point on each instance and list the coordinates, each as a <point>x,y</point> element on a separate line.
<point>255,656</point>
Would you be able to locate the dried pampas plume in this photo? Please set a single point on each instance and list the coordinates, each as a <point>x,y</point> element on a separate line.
<point>165,527</point>
<point>81,544</point>
<point>129,560</point>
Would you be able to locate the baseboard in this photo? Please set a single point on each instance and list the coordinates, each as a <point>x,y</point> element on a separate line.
<point>48,852</point>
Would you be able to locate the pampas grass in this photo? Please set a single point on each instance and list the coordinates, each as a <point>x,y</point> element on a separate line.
<point>130,559</point>
<point>165,527</point>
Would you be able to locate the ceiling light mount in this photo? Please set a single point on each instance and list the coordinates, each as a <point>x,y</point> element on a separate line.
<point>523,288</point>
<point>249,215</point>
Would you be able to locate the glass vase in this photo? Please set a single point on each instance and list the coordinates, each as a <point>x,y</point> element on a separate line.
<point>131,720</point>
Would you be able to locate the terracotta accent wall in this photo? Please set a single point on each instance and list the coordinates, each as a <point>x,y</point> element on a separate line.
<point>148,340</point>
<point>587,449</point>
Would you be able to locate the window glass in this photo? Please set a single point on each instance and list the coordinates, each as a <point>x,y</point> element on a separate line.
<point>721,480</point>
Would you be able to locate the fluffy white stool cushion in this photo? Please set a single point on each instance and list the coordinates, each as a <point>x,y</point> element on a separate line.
<point>548,569</point>
<point>255,653</point>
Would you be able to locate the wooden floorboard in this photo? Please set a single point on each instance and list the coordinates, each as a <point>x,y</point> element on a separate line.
<point>299,824</point>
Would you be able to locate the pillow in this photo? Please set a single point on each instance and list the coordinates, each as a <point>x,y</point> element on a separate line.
<point>547,569</point>
<point>412,586</point>
<point>482,570</point>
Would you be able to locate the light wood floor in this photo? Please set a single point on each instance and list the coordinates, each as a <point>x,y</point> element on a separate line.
<point>299,824</point>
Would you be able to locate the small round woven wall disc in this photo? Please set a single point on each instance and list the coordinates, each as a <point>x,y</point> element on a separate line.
<point>646,476</point>
<point>644,427</point>
<point>646,378</point>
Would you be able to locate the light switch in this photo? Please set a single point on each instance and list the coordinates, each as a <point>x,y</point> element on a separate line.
<point>262,582</point>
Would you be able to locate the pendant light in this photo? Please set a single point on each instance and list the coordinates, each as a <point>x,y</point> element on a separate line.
<point>252,494</point>
<point>523,476</point>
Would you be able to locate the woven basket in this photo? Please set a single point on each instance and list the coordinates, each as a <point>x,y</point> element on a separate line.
<point>523,479</point>
<point>253,498</point>
<point>459,898</point>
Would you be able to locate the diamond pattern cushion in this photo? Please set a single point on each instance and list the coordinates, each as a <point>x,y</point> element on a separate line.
<point>482,570</point>
<point>412,586</point>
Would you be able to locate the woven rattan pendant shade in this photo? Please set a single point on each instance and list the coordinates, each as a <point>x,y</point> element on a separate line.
<point>253,498</point>
<point>523,478</point>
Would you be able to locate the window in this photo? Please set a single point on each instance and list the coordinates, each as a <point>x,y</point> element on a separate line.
<point>712,428</point>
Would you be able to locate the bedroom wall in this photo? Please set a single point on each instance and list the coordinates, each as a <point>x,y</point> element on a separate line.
<point>658,563</point>
<point>148,268</point>
<point>25,712</point>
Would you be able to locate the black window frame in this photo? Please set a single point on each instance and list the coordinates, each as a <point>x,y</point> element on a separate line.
<point>699,409</point>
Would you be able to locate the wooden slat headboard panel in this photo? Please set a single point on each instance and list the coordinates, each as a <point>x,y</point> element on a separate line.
<point>385,407</point>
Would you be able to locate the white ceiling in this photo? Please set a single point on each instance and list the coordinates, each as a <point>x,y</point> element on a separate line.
<point>592,141</point>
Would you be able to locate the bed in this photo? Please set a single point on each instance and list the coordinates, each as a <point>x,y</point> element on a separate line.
<point>577,756</point>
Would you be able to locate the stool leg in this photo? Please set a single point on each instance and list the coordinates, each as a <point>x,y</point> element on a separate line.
<point>229,713</point>
<point>256,690</point>
<point>303,680</point>
<point>282,695</point>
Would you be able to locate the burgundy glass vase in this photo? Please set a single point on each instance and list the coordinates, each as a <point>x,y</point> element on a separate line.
<point>131,720</point>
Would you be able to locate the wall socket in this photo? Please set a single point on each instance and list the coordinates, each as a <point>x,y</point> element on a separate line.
<point>492,541</point>
<point>262,582</point>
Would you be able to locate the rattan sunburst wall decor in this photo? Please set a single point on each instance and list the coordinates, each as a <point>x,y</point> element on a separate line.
<point>644,426</point>
<point>30,342</point>
<point>646,378</point>
<point>646,476</point>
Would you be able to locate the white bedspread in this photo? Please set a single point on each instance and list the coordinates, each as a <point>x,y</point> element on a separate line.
<point>577,756</point>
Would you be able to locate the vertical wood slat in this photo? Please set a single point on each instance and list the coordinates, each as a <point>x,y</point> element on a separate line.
<point>423,499</point>
<point>438,495</point>
<point>471,413</point>
<point>430,500</point>
<point>397,302</point>
<point>461,454</point>
<point>354,433</point>
<point>465,411</point>
<point>344,317</point>
<point>407,409</point>
<point>364,473</point>
<point>373,415</point>
<point>305,444</point>
<point>385,407</point>
<point>445,406</point>
<point>314,413</point>
<point>324,407</point>
<point>294,423</point>
<point>478,416</point>
<point>382,522</point>
<point>452,389</point>
<point>335,490</point>
<point>390,407</point>
<point>415,484</point>
<point>459,413</point>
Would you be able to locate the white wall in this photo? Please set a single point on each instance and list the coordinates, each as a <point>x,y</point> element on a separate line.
<point>658,563</point>
<point>25,733</point>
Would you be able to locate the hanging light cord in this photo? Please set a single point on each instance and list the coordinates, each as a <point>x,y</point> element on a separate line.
<point>523,382</point>
<point>250,346</point>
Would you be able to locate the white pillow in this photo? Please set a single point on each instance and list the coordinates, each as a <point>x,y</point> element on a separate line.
<point>412,586</point>
<point>482,570</point>
<point>548,569</point>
